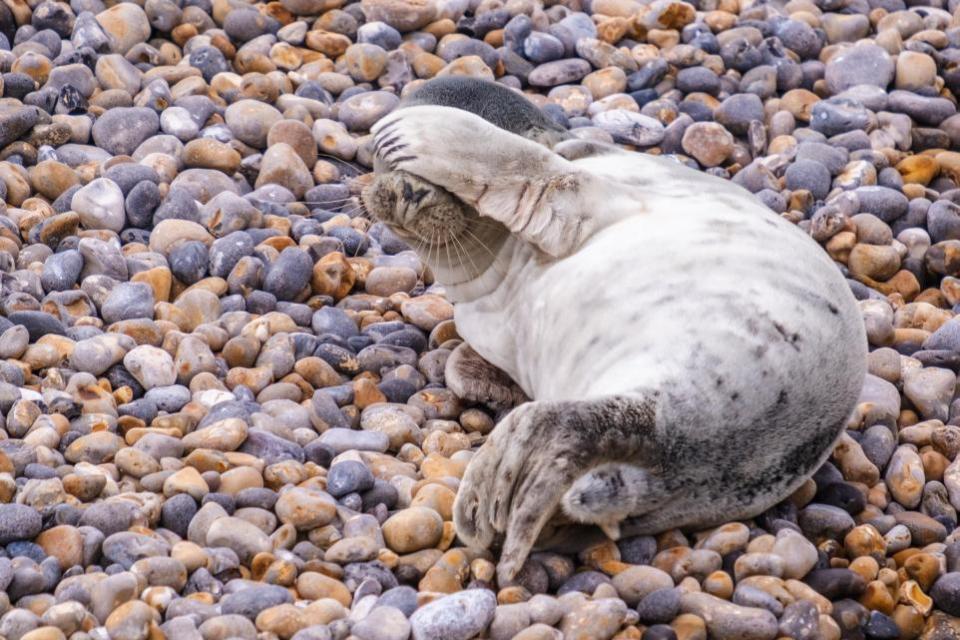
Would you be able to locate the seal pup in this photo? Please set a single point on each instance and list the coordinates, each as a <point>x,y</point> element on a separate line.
<point>690,356</point>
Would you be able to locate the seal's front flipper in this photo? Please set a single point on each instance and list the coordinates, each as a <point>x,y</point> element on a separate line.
<point>532,191</point>
<point>474,379</point>
<point>519,478</point>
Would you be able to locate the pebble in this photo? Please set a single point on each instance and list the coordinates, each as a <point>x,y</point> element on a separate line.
<point>629,127</point>
<point>121,130</point>
<point>858,65</point>
<point>725,620</point>
<point>634,584</point>
<point>383,623</point>
<point>413,529</point>
<point>18,522</point>
<point>152,367</point>
<point>214,368</point>
<point>459,616</point>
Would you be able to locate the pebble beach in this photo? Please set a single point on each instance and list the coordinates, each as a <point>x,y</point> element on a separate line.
<point>222,403</point>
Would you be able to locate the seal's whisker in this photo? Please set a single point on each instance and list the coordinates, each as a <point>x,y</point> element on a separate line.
<point>451,240</point>
<point>446,246</point>
<point>429,250</point>
<point>362,208</point>
<point>328,204</point>
<point>435,239</point>
<point>335,158</point>
<point>433,245</point>
<point>352,210</point>
<point>423,265</point>
<point>496,258</point>
<point>334,201</point>
<point>473,264</point>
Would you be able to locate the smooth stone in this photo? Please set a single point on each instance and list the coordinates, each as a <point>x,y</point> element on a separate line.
<point>459,616</point>
<point>18,522</point>
<point>121,130</point>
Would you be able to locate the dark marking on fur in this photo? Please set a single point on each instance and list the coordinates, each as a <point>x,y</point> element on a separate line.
<point>395,161</point>
<point>383,133</point>
<point>790,338</point>
<point>495,103</point>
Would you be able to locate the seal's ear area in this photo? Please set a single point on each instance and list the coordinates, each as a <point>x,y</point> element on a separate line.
<point>576,149</point>
<point>549,138</point>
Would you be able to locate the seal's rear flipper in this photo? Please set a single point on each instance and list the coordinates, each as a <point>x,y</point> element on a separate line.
<point>519,479</point>
<point>474,379</point>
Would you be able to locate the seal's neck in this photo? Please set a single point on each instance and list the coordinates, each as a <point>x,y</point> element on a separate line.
<point>476,262</point>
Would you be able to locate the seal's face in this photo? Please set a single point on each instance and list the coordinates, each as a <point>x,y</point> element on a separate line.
<point>418,212</point>
<point>446,232</point>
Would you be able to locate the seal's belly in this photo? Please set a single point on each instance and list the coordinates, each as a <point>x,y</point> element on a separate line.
<point>734,309</point>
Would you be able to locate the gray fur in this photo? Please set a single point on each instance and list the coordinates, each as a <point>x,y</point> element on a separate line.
<point>493,102</point>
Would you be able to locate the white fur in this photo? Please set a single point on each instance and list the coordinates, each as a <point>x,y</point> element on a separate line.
<point>635,276</point>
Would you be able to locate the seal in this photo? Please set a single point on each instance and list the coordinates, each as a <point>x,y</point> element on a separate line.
<point>690,357</point>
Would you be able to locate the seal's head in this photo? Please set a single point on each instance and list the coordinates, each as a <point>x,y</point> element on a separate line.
<point>449,234</point>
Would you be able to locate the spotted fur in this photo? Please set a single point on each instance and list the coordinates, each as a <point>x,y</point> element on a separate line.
<point>690,356</point>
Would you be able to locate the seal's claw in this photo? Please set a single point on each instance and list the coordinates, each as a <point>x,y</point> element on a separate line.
<point>535,504</point>
<point>514,484</point>
<point>389,146</point>
<point>469,510</point>
<point>512,432</point>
